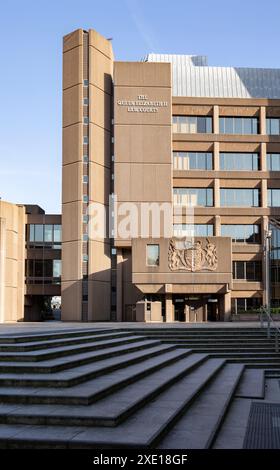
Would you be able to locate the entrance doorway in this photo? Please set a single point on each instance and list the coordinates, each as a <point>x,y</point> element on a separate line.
<point>192,309</point>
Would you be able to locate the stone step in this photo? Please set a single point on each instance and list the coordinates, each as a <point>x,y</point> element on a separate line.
<point>218,341</point>
<point>68,362</point>
<point>274,373</point>
<point>45,354</point>
<point>224,347</point>
<point>88,392</point>
<point>143,429</point>
<point>197,428</point>
<point>53,343</point>
<point>108,411</point>
<point>252,384</point>
<point>53,335</point>
<point>79,374</point>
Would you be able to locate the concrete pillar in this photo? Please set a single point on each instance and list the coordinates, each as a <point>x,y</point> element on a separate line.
<point>264,229</point>
<point>264,193</point>
<point>216,126</point>
<point>217,226</point>
<point>169,311</point>
<point>263,165</point>
<point>119,286</point>
<point>216,162</point>
<point>227,306</point>
<point>2,268</point>
<point>216,192</point>
<point>262,120</point>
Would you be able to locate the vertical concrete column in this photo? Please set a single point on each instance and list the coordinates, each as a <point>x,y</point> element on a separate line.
<point>119,286</point>
<point>264,193</point>
<point>264,229</point>
<point>169,312</point>
<point>262,120</point>
<point>263,165</point>
<point>227,306</point>
<point>216,119</point>
<point>217,227</point>
<point>2,268</point>
<point>216,192</point>
<point>216,156</point>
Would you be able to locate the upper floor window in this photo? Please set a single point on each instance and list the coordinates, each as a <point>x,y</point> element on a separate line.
<point>239,161</point>
<point>247,270</point>
<point>192,124</point>
<point>239,125</point>
<point>242,233</point>
<point>192,161</point>
<point>236,197</point>
<point>193,230</point>
<point>193,196</point>
<point>152,255</point>
<point>47,235</point>
<point>273,126</point>
<point>273,161</point>
<point>273,197</point>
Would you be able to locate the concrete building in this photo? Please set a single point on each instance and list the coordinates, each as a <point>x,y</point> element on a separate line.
<point>168,130</point>
<point>30,261</point>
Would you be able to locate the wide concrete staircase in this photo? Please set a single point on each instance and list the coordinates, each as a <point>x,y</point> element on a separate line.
<point>112,388</point>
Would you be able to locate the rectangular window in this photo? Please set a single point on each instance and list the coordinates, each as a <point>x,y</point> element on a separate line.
<point>192,161</point>
<point>39,233</point>
<point>243,305</point>
<point>85,140</point>
<point>86,120</point>
<point>273,126</point>
<point>239,125</point>
<point>48,233</point>
<point>242,233</point>
<point>85,158</point>
<point>236,197</point>
<point>239,161</point>
<point>152,255</point>
<point>247,270</point>
<point>273,197</point>
<point>192,124</point>
<point>85,199</point>
<point>192,197</point>
<point>85,179</point>
<point>57,233</point>
<point>31,233</point>
<point>193,230</point>
<point>85,101</point>
<point>273,161</point>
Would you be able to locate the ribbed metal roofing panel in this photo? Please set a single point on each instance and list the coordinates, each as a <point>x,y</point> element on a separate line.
<point>192,77</point>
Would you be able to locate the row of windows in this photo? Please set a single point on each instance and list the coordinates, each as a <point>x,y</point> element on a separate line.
<point>245,304</point>
<point>247,270</point>
<point>229,197</point>
<point>229,161</point>
<point>227,125</point>
<point>38,268</point>
<point>44,234</point>
<point>249,233</point>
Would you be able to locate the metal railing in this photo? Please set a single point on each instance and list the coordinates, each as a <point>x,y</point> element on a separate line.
<point>265,316</point>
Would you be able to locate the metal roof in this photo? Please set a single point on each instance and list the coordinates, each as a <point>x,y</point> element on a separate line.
<point>192,77</point>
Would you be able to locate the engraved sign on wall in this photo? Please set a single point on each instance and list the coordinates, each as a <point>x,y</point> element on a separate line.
<point>192,256</point>
<point>142,104</point>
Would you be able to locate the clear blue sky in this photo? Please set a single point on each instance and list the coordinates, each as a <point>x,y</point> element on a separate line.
<point>238,33</point>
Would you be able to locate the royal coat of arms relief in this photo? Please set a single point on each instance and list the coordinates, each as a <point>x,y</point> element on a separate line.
<point>193,257</point>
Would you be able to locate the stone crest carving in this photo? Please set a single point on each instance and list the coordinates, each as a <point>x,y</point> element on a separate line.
<point>193,257</point>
